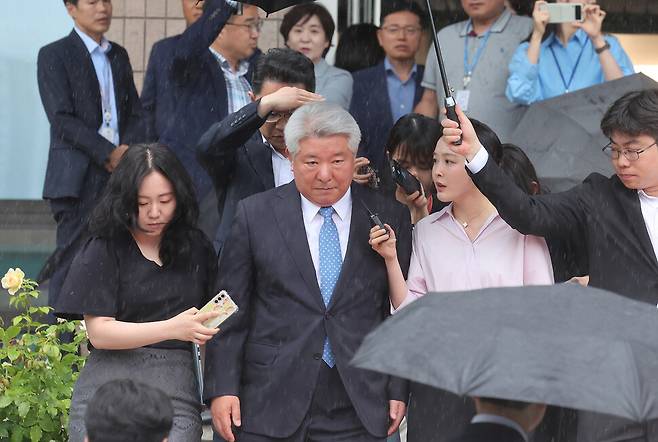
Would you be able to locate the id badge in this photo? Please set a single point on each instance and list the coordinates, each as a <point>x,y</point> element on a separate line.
<point>107,132</point>
<point>462,98</point>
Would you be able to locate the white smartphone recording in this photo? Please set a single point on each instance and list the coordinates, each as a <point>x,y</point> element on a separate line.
<point>563,12</point>
<point>222,303</point>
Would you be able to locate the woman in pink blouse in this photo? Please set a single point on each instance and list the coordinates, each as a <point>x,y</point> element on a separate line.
<point>465,246</point>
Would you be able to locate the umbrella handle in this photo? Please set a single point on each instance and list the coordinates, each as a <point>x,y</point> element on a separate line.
<point>451,113</point>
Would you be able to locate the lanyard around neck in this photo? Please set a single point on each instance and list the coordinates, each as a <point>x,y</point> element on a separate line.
<point>469,68</point>
<point>567,86</point>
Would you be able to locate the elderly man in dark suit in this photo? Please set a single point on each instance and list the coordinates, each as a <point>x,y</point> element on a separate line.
<point>309,287</point>
<point>502,420</point>
<point>391,89</point>
<point>619,216</point>
<point>245,153</point>
<point>87,91</point>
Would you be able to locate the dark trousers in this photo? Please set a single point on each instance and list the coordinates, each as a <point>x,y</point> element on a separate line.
<point>71,216</point>
<point>331,416</point>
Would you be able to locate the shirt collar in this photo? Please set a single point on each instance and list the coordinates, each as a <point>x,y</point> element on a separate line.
<point>500,420</point>
<point>498,26</point>
<point>321,67</point>
<point>91,44</point>
<point>648,198</point>
<point>342,207</point>
<point>243,65</point>
<point>580,35</point>
<point>388,67</point>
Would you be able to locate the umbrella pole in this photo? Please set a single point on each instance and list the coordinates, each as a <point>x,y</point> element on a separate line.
<point>449,100</point>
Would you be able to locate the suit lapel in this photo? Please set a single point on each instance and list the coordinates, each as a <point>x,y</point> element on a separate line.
<point>260,157</point>
<point>289,219</point>
<point>357,243</point>
<point>420,71</point>
<point>218,81</point>
<point>87,72</point>
<point>384,102</point>
<point>631,203</point>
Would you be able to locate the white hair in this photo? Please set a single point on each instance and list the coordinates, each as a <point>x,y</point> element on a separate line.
<point>321,120</point>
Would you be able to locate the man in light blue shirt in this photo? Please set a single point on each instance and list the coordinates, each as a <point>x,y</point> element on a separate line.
<point>399,75</point>
<point>89,96</point>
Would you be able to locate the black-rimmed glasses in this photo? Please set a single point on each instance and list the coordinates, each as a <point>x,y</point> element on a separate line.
<point>629,154</point>
<point>253,27</point>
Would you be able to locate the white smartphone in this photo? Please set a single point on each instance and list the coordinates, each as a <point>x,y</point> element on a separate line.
<point>563,12</point>
<point>222,303</point>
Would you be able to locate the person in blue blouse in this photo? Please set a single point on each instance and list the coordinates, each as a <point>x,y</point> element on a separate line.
<point>562,58</point>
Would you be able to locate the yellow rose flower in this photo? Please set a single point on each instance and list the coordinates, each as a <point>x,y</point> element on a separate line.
<point>13,280</point>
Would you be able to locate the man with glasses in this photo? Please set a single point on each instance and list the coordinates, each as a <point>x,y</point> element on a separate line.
<point>245,153</point>
<point>209,71</point>
<point>619,216</point>
<point>398,74</point>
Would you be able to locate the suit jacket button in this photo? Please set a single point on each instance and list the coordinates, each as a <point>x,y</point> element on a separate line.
<point>317,356</point>
<point>327,315</point>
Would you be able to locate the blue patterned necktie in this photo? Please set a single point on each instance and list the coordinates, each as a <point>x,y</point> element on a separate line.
<point>330,263</point>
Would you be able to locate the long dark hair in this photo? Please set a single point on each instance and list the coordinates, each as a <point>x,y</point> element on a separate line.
<point>117,210</point>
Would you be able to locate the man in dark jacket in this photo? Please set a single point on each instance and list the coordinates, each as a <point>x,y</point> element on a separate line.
<point>87,90</point>
<point>391,89</point>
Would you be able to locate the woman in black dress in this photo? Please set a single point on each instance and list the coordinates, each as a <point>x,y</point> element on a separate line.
<point>138,282</point>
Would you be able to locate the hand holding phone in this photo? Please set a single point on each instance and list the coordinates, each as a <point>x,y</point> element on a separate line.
<point>221,303</point>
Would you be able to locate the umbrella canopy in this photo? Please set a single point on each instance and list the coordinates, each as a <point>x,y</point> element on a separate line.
<point>563,345</point>
<point>562,135</point>
<point>270,6</point>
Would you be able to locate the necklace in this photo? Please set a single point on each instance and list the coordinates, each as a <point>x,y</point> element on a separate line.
<point>466,223</point>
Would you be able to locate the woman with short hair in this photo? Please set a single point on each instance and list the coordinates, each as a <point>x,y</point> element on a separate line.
<point>308,28</point>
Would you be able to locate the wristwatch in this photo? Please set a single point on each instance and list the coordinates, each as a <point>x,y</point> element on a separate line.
<point>605,47</point>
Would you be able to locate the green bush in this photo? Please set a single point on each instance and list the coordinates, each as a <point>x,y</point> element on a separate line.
<point>38,370</point>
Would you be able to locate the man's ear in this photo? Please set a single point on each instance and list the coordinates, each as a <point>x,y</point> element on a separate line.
<point>71,9</point>
<point>535,188</point>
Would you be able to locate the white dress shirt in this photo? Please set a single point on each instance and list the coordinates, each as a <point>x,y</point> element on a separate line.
<point>500,420</point>
<point>281,166</point>
<point>98,54</point>
<point>649,205</point>
<point>313,223</point>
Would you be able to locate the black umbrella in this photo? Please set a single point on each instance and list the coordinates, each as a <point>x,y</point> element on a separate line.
<point>562,135</point>
<point>270,6</point>
<point>449,101</point>
<point>563,345</point>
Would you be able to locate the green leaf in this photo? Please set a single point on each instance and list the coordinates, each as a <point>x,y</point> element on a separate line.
<point>17,434</point>
<point>5,401</point>
<point>4,432</point>
<point>11,333</point>
<point>23,409</point>
<point>35,433</point>
<point>12,353</point>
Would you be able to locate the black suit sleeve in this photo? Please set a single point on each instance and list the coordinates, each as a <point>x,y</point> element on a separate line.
<point>552,215</point>
<point>217,146</point>
<point>56,90</point>
<point>224,352</point>
<point>198,37</point>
